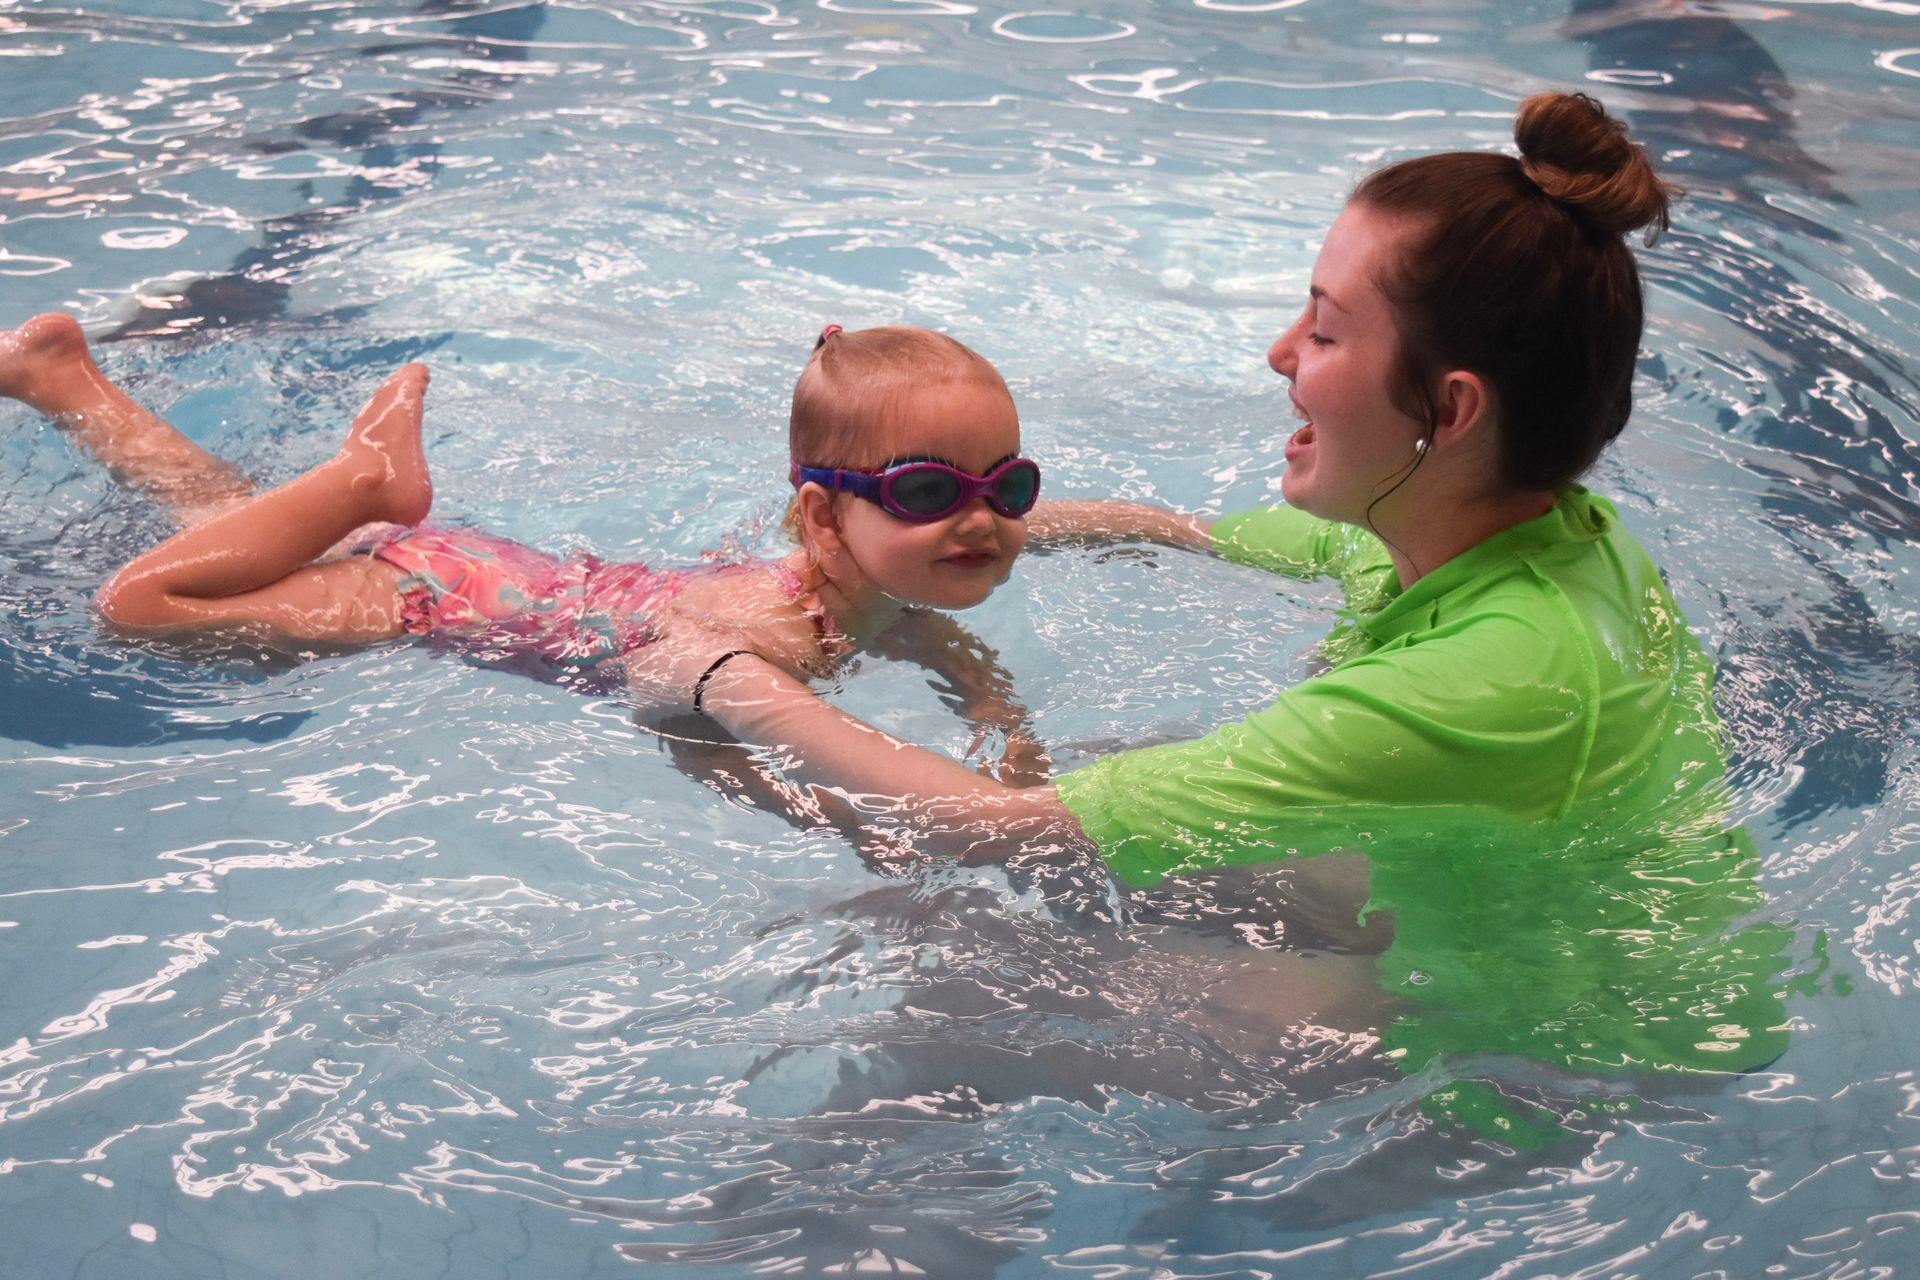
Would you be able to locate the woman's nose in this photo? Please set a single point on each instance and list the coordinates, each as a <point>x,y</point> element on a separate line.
<point>1281,355</point>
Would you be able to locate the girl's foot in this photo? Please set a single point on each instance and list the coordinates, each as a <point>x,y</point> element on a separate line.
<point>44,362</point>
<point>383,447</point>
<point>45,365</point>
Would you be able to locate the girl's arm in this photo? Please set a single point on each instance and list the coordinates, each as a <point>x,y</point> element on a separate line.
<point>1115,520</point>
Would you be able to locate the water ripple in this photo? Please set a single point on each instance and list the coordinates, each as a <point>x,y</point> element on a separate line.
<point>1061,28</point>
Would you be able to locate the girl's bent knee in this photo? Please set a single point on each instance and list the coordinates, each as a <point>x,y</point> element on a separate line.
<point>126,605</point>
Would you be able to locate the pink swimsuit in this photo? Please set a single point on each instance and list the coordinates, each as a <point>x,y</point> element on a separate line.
<point>572,612</point>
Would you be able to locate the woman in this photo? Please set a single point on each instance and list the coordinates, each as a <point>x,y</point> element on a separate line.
<point>1512,676</point>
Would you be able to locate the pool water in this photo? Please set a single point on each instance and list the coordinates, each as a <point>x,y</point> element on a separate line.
<point>386,962</point>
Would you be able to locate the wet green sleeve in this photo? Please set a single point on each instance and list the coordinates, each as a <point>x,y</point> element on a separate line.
<point>1285,540</point>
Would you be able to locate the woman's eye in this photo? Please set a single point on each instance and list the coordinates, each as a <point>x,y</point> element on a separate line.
<point>1319,341</point>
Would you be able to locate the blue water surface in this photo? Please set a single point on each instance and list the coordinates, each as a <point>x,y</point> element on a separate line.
<point>383,962</point>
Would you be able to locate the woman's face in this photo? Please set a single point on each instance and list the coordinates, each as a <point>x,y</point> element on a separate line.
<point>1340,358</point>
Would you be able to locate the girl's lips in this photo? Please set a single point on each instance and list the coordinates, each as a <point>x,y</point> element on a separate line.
<point>971,559</point>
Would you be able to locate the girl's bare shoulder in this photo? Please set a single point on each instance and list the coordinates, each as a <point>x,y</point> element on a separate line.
<point>759,604</point>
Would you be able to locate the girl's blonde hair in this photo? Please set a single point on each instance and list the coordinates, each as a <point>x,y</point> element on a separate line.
<point>855,382</point>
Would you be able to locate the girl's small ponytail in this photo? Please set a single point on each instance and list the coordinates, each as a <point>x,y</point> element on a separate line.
<point>826,333</point>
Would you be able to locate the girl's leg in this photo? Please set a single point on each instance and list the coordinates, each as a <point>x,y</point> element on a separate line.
<point>45,365</point>
<point>252,562</point>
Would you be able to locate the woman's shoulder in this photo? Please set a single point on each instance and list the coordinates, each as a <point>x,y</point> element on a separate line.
<point>1594,565</point>
<point>1573,604</point>
<point>1577,550</point>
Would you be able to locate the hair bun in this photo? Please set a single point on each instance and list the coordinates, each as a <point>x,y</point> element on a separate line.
<point>1582,157</point>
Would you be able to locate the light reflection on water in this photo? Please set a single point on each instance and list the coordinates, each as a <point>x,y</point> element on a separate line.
<point>462,972</point>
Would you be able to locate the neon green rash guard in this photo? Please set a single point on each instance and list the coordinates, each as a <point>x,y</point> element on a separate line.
<point>1524,745</point>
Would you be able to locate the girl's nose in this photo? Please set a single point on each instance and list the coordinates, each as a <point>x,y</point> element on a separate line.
<point>976,514</point>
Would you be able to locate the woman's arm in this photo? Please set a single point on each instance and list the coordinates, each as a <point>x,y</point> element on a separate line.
<point>1114,520</point>
<point>972,816</point>
<point>706,753</point>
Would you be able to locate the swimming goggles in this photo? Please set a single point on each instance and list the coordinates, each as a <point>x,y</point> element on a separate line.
<point>927,491</point>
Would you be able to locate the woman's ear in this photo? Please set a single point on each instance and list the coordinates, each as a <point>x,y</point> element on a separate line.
<point>1464,408</point>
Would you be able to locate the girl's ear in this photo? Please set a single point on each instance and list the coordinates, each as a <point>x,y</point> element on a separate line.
<point>823,536</point>
<point>819,521</point>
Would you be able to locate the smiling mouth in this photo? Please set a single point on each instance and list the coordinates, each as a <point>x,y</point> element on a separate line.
<point>971,559</point>
<point>1299,440</point>
<point>1305,432</point>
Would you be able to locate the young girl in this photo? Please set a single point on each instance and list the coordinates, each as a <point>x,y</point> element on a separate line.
<point>910,491</point>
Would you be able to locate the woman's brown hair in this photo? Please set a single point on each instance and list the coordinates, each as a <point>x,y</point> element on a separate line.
<point>1518,270</point>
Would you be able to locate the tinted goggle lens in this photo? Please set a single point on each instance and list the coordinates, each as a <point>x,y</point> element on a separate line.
<point>928,490</point>
<point>925,491</point>
<point>1016,488</point>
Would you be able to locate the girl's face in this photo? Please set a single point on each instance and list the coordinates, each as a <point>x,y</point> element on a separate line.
<point>954,562</point>
<point>1340,357</point>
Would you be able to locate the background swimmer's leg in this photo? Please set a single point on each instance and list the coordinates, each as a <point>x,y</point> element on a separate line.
<point>252,562</point>
<point>45,365</point>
